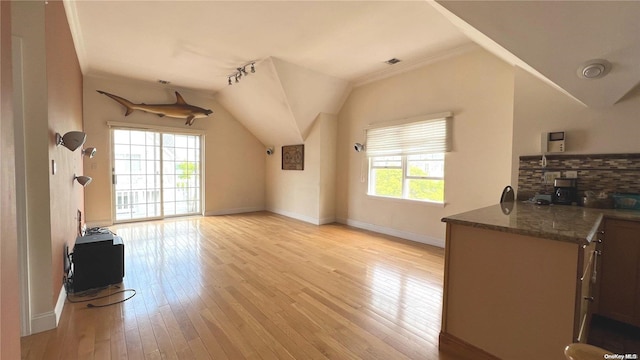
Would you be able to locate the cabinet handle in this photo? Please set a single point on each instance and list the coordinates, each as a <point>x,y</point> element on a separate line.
<point>589,298</point>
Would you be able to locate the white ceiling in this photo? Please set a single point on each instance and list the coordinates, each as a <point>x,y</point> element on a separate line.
<point>197,44</point>
<point>555,38</point>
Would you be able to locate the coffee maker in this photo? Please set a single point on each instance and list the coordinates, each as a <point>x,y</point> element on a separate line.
<point>565,191</point>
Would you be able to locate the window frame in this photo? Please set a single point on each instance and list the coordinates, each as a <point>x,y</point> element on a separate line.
<point>405,178</point>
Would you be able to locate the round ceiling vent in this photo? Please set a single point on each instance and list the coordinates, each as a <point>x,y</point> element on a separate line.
<point>594,69</point>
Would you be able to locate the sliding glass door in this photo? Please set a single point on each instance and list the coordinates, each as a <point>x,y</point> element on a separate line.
<point>155,174</point>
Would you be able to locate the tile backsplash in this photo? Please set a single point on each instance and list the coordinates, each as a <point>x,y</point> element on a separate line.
<point>611,173</point>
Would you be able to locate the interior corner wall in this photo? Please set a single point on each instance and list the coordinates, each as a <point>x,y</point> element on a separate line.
<point>478,88</point>
<point>64,92</point>
<point>328,156</point>
<point>234,158</point>
<point>308,194</point>
<point>540,108</point>
<point>28,24</point>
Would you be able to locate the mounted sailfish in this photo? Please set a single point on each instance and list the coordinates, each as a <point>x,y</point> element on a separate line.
<point>179,110</point>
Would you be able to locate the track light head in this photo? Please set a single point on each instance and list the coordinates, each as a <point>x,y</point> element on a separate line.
<point>358,147</point>
<point>90,152</point>
<point>240,72</point>
<point>71,140</point>
<point>82,180</point>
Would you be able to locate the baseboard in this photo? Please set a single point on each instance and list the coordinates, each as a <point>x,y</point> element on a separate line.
<point>62,298</point>
<point>461,349</point>
<point>43,322</point>
<point>233,211</point>
<point>424,239</point>
<point>50,319</point>
<point>297,216</point>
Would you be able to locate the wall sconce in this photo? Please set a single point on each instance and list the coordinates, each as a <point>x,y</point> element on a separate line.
<point>71,140</point>
<point>82,180</point>
<point>358,147</point>
<point>90,152</point>
<point>269,151</point>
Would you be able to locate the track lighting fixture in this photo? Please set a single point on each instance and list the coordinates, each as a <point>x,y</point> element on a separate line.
<point>90,152</point>
<point>358,147</point>
<point>241,71</point>
<point>71,140</point>
<point>82,180</point>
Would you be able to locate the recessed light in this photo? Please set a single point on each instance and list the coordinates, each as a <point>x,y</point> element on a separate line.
<point>393,61</point>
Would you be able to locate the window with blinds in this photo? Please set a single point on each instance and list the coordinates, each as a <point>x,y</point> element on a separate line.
<point>406,160</point>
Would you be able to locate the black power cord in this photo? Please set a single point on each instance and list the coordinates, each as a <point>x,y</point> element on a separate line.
<point>95,291</point>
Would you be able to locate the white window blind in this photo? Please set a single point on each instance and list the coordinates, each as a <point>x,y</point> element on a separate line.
<point>417,137</point>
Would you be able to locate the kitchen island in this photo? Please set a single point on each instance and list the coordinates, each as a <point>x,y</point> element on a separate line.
<point>519,279</point>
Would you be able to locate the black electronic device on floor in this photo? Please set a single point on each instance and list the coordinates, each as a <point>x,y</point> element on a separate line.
<point>98,261</point>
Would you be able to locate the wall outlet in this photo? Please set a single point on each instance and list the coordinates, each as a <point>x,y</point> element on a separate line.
<point>571,174</point>
<point>549,176</point>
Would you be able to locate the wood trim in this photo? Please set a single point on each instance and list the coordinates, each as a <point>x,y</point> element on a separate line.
<point>461,349</point>
<point>445,283</point>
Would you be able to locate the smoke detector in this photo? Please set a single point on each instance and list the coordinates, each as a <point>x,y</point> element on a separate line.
<point>594,69</point>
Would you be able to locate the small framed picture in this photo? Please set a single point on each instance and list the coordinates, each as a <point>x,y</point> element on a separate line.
<point>293,157</point>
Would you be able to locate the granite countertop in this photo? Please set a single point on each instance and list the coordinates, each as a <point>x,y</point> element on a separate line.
<point>556,222</point>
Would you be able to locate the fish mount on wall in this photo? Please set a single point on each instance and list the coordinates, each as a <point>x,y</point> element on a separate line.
<point>179,110</point>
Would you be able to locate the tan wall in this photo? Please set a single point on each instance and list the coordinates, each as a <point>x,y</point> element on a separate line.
<point>540,108</point>
<point>234,167</point>
<point>478,89</point>
<point>309,194</point>
<point>9,302</point>
<point>64,85</point>
<point>328,153</point>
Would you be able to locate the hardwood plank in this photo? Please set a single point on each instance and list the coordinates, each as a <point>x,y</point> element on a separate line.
<point>259,286</point>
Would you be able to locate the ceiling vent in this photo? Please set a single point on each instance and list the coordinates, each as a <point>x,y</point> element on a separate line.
<point>594,69</point>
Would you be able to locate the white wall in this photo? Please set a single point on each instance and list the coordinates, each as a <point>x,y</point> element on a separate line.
<point>234,158</point>
<point>478,88</point>
<point>307,195</point>
<point>540,108</point>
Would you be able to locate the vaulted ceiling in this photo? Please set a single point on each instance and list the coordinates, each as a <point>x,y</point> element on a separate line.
<point>556,38</point>
<point>308,54</point>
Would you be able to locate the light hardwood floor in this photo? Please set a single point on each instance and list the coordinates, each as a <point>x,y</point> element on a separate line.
<point>258,286</point>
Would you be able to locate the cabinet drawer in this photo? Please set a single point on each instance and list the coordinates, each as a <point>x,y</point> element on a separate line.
<point>586,291</point>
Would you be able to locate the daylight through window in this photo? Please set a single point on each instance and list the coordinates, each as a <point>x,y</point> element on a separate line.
<point>407,161</point>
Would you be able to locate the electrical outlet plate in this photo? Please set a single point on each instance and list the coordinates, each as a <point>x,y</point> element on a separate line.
<point>549,176</point>
<point>571,174</point>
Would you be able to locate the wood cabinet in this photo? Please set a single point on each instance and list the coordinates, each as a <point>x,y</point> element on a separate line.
<point>513,296</point>
<point>619,293</point>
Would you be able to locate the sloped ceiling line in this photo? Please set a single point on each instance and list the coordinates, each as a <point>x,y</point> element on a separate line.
<point>280,102</point>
